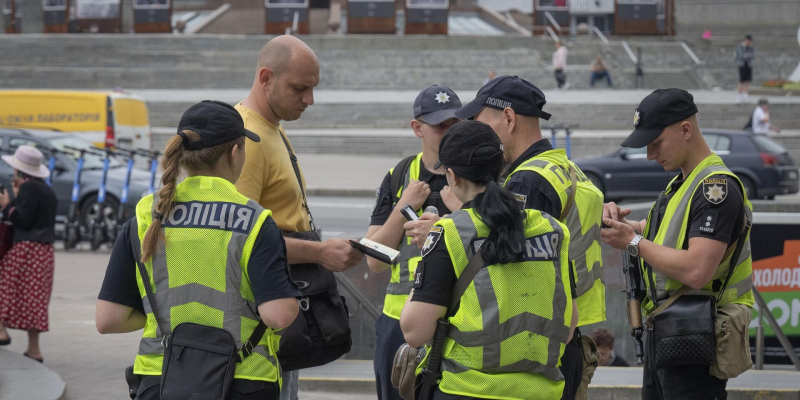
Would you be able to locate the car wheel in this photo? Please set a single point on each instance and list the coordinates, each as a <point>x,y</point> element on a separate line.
<point>596,181</point>
<point>749,188</point>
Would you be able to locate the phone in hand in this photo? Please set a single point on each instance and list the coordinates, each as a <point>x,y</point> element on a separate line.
<point>409,213</point>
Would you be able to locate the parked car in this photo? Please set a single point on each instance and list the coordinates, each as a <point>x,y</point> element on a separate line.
<point>762,164</point>
<point>64,174</point>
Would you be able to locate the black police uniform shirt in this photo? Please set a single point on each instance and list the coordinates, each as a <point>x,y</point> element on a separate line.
<point>384,199</point>
<point>267,269</point>
<point>436,276</point>
<point>715,215</point>
<point>540,194</point>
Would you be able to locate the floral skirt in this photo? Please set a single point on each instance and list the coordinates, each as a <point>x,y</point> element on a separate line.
<point>26,282</point>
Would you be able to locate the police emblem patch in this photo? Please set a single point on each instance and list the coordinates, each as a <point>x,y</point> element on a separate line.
<point>715,190</point>
<point>442,98</point>
<point>636,119</point>
<point>430,242</point>
<point>521,199</point>
<point>377,196</point>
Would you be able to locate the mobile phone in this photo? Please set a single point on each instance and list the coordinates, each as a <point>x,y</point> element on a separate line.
<point>409,213</point>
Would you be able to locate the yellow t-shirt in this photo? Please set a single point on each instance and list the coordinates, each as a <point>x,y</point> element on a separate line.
<point>268,176</point>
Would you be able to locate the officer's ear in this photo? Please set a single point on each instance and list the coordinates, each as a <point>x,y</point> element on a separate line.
<point>509,118</point>
<point>687,130</point>
<point>416,126</point>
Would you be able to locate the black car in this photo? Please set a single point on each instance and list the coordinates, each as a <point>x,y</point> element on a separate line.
<point>763,165</point>
<point>64,174</point>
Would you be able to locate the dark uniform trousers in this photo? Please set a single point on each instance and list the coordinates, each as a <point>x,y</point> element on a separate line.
<point>243,389</point>
<point>388,338</point>
<point>572,366</point>
<point>687,382</point>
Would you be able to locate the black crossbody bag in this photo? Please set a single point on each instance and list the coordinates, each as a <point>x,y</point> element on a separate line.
<point>683,326</point>
<point>321,332</point>
<point>199,361</point>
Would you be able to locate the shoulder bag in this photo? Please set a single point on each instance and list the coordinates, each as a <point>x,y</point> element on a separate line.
<point>407,358</point>
<point>199,361</point>
<point>321,332</point>
<point>684,327</point>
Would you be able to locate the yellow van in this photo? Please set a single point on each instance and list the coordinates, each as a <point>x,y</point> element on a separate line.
<point>113,119</point>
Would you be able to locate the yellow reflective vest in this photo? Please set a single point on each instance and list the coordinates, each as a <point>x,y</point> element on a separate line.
<point>509,333</point>
<point>671,232</point>
<point>200,276</point>
<point>403,269</point>
<point>583,220</point>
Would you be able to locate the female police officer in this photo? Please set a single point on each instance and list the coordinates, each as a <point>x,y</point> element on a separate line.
<point>215,258</point>
<point>508,334</point>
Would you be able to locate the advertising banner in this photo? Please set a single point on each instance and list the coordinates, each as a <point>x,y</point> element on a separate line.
<point>370,9</point>
<point>775,245</point>
<point>152,11</point>
<point>97,9</point>
<point>427,11</point>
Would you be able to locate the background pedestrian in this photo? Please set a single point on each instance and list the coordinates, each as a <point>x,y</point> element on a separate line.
<point>744,55</point>
<point>26,271</point>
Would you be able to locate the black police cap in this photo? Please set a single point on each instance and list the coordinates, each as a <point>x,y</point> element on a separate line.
<point>469,143</point>
<point>657,111</point>
<point>436,104</point>
<point>216,122</point>
<point>507,91</point>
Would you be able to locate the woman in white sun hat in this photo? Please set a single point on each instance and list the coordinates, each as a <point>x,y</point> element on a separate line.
<point>26,271</point>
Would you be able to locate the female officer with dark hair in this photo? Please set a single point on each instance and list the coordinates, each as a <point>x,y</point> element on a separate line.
<point>214,257</point>
<point>509,331</point>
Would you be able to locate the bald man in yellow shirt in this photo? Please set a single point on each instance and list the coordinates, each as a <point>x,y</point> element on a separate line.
<point>288,71</point>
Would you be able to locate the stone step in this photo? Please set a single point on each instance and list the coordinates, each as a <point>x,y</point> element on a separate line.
<point>399,115</point>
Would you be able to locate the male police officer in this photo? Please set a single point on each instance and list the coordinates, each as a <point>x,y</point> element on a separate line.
<point>542,178</point>
<point>414,181</point>
<point>688,236</point>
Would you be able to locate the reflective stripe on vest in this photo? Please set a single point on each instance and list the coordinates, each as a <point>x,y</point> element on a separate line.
<point>203,279</point>
<point>584,223</point>
<point>508,335</point>
<point>672,232</point>
<point>401,282</point>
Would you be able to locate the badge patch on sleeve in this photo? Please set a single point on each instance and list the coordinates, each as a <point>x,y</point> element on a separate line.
<point>418,278</point>
<point>377,198</point>
<point>709,221</point>
<point>521,199</point>
<point>433,238</point>
<point>715,190</point>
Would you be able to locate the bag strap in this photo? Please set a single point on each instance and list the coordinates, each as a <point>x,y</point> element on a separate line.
<point>296,168</point>
<point>571,198</point>
<point>734,250</point>
<point>397,178</point>
<point>151,299</point>
<point>247,347</point>
<point>463,281</point>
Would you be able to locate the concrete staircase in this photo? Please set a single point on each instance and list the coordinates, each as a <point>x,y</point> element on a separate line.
<point>352,62</point>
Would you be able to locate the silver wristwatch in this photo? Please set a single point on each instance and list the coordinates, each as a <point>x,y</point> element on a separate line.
<point>633,246</point>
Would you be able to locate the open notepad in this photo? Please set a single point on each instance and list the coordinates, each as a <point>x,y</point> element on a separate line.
<point>376,250</point>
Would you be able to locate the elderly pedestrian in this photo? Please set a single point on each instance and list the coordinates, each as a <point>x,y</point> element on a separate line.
<point>26,271</point>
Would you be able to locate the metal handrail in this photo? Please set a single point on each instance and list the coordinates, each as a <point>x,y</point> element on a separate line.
<point>552,20</point>
<point>362,300</point>
<point>600,34</point>
<point>552,34</point>
<point>630,52</point>
<point>691,53</point>
<point>764,311</point>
